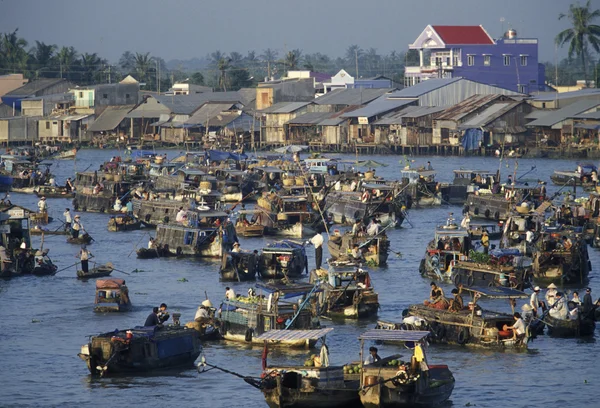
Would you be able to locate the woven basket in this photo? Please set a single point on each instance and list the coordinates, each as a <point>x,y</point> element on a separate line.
<point>288,182</point>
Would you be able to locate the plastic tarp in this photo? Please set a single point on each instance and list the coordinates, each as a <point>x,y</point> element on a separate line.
<point>472,139</point>
<point>505,252</point>
<point>218,155</point>
<point>135,154</point>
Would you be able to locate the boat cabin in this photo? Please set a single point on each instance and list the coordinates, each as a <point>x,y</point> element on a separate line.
<point>322,165</point>
<point>162,169</point>
<point>447,247</point>
<point>282,260</point>
<point>111,296</point>
<point>481,178</point>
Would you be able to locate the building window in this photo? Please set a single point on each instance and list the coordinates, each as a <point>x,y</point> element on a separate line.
<point>487,60</point>
<point>126,96</point>
<point>471,60</point>
<point>506,60</point>
<point>105,96</point>
<point>81,94</point>
<point>47,125</point>
<point>523,60</point>
<point>543,105</point>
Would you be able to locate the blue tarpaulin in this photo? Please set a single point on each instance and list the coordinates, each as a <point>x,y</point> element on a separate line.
<point>472,139</point>
<point>505,252</point>
<point>219,155</point>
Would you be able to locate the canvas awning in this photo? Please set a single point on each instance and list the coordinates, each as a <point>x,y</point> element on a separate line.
<point>284,335</point>
<point>394,335</point>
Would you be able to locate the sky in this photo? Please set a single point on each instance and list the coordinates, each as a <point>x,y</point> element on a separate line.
<point>184,29</point>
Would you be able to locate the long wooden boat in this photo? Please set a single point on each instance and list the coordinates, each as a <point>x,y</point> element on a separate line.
<point>472,326</point>
<point>499,207</point>
<point>111,296</point>
<point>448,246</point>
<point>282,260</point>
<point>238,266</point>
<point>65,155</point>
<point>151,253</point>
<point>570,328</point>
<point>97,272</point>
<point>248,230</point>
<point>81,239</point>
<point>54,192</point>
<point>141,349</point>
<point>554,264</point>
<point>46,268</point>
<point>321,386</point>
<point>123,222</point>
<point>374,249</point>
<point>391,382</point>
<point>40,231</point>
<point>246,318</point>
<point>286,216</point>
<point>347,291</point>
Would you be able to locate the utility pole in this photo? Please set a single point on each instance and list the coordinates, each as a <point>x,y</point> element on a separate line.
<point>356,61</point>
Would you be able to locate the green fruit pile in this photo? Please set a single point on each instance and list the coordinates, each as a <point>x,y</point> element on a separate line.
<point>352,369</point>
<point>393,363</point>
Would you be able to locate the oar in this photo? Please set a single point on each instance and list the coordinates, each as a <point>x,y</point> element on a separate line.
<point>67,267</point>
<point>110,265</point>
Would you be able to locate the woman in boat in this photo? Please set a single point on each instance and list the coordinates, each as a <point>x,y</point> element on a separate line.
<point>437,299</point>
<point>84,254</point>
<point>456,304</point>
<point>518,328</point>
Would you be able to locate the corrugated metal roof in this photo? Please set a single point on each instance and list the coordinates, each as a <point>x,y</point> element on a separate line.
<point>285,107</point>
<point>207,112</point>
<point>551,96</point>
<point>486,116</point>
<point>394,335</point>
<point>592,115</point>
<point>423,87</point>
<point>395,118</point>
<point>536,114</point>
<point>187,104</point>
<point>379,106</point>
<point>351,96</point>
<point>568,111</point>
<point>110,118</point>
<point>282,335</point>
<point>469,105</point>
<point>311,118</point>
<point>35,86</point>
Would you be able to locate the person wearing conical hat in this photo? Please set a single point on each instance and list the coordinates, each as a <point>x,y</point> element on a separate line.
<point>203,314</point>
<point>42,205</point>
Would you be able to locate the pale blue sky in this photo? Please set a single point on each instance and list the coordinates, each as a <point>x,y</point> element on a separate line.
<point>185,29</point>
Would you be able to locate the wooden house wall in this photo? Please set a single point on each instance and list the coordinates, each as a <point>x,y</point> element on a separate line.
<point>172,135</point>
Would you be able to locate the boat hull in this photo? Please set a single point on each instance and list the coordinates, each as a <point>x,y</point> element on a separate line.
<point>570,328</point>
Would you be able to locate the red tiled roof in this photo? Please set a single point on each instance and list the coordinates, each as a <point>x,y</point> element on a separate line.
<point>463,34</point>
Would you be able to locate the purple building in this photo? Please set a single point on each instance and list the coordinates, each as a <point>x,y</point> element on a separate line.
<point>470,52</point>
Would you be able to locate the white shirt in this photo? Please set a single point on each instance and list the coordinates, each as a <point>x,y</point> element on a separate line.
<point>337,186</point>
<point>519,326</point>
<point>550,294</point>
<point>52,182</point>
<point>201,313</point>
<point>370,360</point>
<point>559,311</point>
<point>77,225</point>
<point>67,215</point>
<point>353,186</point>
<point>230,294</point>
<point>373,229</point>
<point>42,205</point>
<point>534,301</point>
<point>466,222</point>
<point>580,211</point>
<point>236,249</point>
<point>574,314</point>
<point>317,240</point>
<point>180,216</point>
<point>529,236</point>
<point>576,300</point>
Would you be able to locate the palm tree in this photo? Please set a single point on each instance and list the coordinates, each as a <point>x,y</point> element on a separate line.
<point>354,54</point>
<point>12,51</point>
<point>269,56</point>
<point>127,62</point>
<point>90,64</point>
<point>67,57</point>
<point>42,57</point>
<point>292,59</point>
<point>142,64</point>
<point>582,33</point>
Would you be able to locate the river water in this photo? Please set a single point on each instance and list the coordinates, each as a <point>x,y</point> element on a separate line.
<point>46,320</point>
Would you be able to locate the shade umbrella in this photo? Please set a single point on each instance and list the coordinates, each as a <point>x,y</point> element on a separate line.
<point>370,163</point>
<point>291,149</point>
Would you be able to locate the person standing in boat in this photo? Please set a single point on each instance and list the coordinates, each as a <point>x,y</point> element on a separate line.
<point>43,205</point>
<point>181,215</point>
<point>69,186</point>
<point>466,222</point>
<point>317,241</point>
<point>485,242</point>
<point>77,227</point>
<point>84,255</point>
<point>68,219</point>
<point>534,301</point>
<point>588,304</point>
<point>551,294</point>
<point>229,293</point>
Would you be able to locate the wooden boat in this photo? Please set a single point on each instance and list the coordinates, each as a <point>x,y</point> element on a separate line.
<point>554,264</point>
<point>36,230</point>
<point>111,296</point>
<point>574,177</point>
<point>245,229</point>
<point>284,215</point>
<point>465,182</point>
<point>283,260</point>
<point>65,155</point>
<point>500,271</point>
<point>239,266</point>
<point>448,246</point>
<point>150,253</point>
<point>374,248</point>
<point>306,386</point>
<point>97,272</point>
<point>347,291</point>
<point>393,383</point>
<point>54,192</point>
<point>246,318</point>
<point>81,239</point>
<point>570,328</point>
<point>141,349</point>
<point>45,267</point>
<point>484,204</point>
<point>123,222</point>
<point>40,218</point>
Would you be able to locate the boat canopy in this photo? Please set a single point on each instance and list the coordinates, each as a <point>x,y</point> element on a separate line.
<point>461,171</point>
<point>497,292</point>
<point>219,155</point>
<point>282,335</point>
<point>112,283</point>
<point>505,252</point>
<point>377,186</point>
<point>394,335</point>
<point>286,244</point>
<point>286,291</point>
<point>451,233</point>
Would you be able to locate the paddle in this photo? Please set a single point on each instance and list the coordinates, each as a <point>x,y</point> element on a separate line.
<point>110,265</point>
<point>67,267</point>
